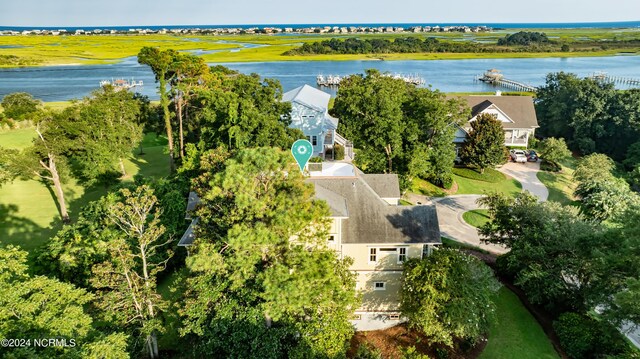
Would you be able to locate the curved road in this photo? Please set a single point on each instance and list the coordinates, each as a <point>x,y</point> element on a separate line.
<point>451,208</point>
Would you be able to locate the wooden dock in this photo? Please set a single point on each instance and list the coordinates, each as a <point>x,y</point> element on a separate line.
<point>494,77</point>
<point>618,80</point>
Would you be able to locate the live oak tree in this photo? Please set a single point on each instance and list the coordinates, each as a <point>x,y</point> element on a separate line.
<point>125,283</point>
<point>238,111</point>
<point>37,307</point>
<point>19,105</point>
<point>105,127</point>
<point>397,127</point>
<point>484,146</point>
<point>448,295</point>
<point>262,279</point>
<point>603,195</point>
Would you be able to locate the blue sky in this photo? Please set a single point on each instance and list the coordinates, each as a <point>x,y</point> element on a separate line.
<point>193,12</point>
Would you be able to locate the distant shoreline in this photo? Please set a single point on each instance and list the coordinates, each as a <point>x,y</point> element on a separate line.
<point>524,25</point>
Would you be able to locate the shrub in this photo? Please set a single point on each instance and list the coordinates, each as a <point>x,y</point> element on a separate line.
<point>315,159</point>
<point>585,337</point>
<point>339,152</point>
<point>549,166</point>
<point>366,351</point>
<point>412,353</point>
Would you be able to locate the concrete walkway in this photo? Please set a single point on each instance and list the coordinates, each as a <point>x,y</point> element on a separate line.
<point>525,173</point>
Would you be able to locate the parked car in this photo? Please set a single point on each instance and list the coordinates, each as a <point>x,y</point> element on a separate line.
<point>518,156</point>
<point>532,156</point>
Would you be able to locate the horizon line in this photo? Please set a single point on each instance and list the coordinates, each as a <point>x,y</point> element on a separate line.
<point>331,23</point>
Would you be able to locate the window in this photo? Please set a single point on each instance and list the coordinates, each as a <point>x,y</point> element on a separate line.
<point>379,286</point>
<point>314,140</point>
<point>402,254</point>
<point>372,255</point>
<point>426,250</point>
<point>387,249</point>
<point>309,138</point>
<point>394,316</point>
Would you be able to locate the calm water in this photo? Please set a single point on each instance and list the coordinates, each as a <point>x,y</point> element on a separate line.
<point>66,82</point>
<point>512,25</point>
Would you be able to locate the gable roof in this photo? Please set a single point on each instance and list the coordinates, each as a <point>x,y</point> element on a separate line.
<point>372,220</point>
<point>384,185</point>
<point>519,109</point>
<point>309,96</point>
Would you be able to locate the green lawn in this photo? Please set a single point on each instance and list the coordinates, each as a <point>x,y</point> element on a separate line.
<point>426,188</point>
<point>560,184</point>
<point>476,217</point>
<point>18,138</point>
<point>515,333</point>
<point>471,182</point>
<point>28,211</point>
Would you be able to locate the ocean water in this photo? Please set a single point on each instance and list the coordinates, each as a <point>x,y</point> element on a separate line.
<point>522,25</point>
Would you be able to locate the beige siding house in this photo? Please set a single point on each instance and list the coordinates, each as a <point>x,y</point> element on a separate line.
<point>367,225</point>
<point>370,227</point>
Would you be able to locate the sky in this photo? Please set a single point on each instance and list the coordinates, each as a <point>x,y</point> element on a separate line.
<point>201,12</point>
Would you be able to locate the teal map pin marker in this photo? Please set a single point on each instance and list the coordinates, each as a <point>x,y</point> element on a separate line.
<point>302,150</point>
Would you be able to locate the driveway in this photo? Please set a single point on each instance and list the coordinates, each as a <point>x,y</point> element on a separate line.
<point>525,173</point>
<point>450,210</point>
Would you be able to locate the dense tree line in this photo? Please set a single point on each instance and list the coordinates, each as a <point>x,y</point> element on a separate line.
<point>524,38</point>
<point>384,46</point>
<point>398,128</point>
<point>568,263</point>
<point>591,115</point>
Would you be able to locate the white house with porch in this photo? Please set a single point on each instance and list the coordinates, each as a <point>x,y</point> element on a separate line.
<point>517,114</point>
<point>310,114</point>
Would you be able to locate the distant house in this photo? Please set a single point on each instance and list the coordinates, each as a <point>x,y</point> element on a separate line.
<point>310,114</point>
<point>367,225</point>
<point>517,114</point>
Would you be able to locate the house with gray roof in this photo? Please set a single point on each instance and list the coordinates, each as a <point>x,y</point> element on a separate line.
<point>310,114</point>
<point>368,225</point>
<point>516,113</point>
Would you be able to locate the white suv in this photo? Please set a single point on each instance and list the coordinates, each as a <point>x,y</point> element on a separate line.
<point>518,156</point>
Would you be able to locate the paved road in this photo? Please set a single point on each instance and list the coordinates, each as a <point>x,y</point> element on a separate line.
<point>451,208</point>
<point>525,173</point>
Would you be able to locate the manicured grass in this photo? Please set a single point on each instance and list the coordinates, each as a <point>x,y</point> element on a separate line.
<point>28,212</point>
<point>470,182</point>
<point>516,333</point>
<point>508,186</point>
<point>489,175</point>
<point>560,184</point>
<point>426,188</point>
<point>476,217</point>
<point>18,138</point>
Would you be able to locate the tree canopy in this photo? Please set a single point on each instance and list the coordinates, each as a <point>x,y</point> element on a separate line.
<point>261,276</point>
<point>484,146</point>
<point>19,105</point>
<point>448,295</point>
<point>398,128</point>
